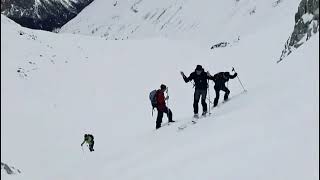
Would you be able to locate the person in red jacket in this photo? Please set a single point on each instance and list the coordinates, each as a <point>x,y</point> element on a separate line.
<point>161,106</point>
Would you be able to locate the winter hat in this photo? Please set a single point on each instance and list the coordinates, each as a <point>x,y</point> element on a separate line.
<point>199,67</point>
<point>163,87</point>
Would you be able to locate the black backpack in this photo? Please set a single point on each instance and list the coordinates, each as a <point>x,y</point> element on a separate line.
<point>153,98</point>
<point>88,135</point>
<point>218,76</point>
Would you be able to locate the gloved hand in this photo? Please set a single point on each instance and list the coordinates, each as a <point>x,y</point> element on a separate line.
<point>236,74</point>
<point>182,74</point>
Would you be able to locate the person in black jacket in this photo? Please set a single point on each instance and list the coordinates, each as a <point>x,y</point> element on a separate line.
<point>200,79</point>
<point>220,79</point>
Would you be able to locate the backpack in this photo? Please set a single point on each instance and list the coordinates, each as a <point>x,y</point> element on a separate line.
<point>87,137</point>
<point>90,135</point>
<point>153,98</point>
<point>217,76</point>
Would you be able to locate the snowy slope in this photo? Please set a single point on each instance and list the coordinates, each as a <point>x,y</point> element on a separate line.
<point>56,87</point>
<point>208,20</point>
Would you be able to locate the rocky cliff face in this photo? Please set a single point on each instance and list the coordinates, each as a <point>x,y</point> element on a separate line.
<point>306,24</point>
<point>42,14</point>
<point>9,169</point>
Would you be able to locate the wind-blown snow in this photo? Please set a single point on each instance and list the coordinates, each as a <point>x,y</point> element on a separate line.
<point>57,87</point>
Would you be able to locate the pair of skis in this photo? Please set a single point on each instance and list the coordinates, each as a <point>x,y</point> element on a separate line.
<point>194,120</point>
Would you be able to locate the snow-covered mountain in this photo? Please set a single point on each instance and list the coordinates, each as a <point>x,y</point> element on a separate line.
<point>209,20</point>
<point>58,87</point>
<point>42,14</point>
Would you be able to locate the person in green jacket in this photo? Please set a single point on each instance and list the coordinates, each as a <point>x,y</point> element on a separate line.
<point>88,138</point>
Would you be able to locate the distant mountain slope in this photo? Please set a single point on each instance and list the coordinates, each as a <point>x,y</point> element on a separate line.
<point>210,20</point>
<point>42,14</point>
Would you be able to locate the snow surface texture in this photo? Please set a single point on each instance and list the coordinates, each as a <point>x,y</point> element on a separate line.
<point>57,87</point>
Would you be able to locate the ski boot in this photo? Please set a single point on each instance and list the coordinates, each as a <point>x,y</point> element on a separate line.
<point>196,116</point>
<point>204,113</point>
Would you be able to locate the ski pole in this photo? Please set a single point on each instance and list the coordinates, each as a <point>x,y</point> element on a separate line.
<point>168,109</point>
<point>209,96</point>
<point>167,91</point>
<point>239,80</point>
<point>210,102</point>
